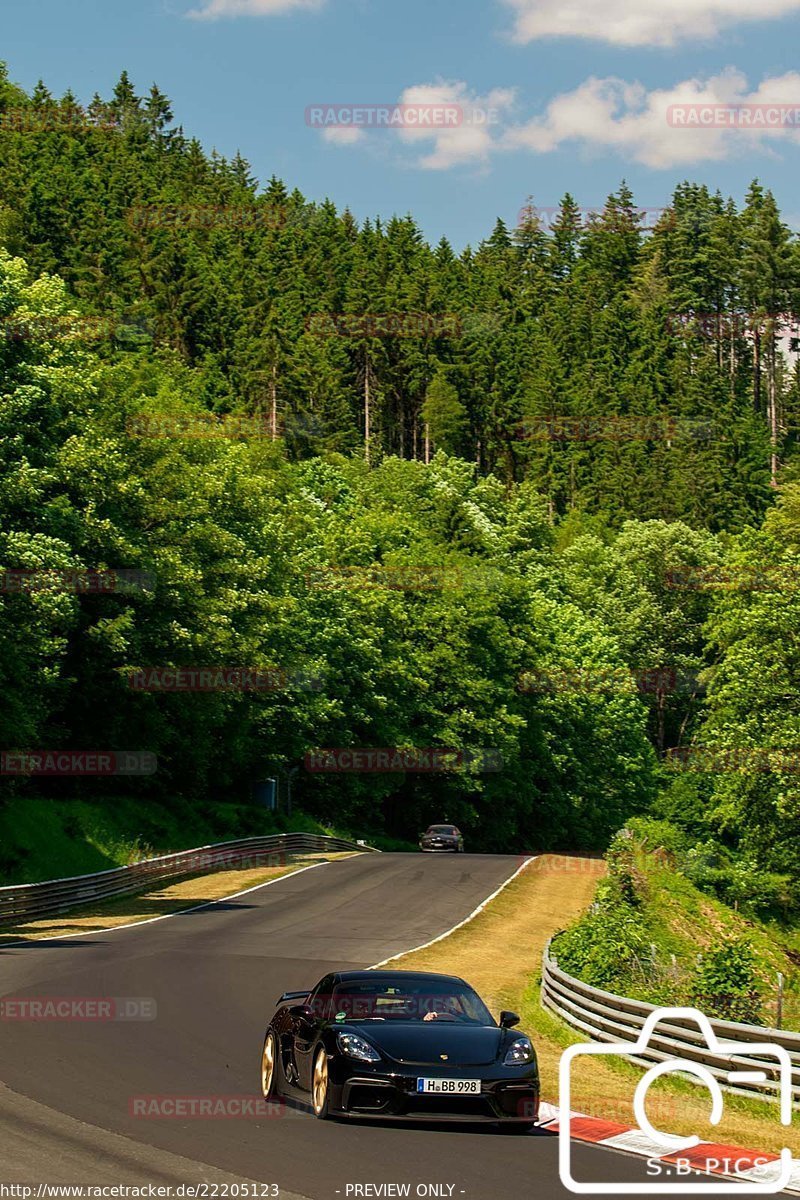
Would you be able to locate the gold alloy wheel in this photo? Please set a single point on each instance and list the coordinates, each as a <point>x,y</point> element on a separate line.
<point>320,1085</point>
<point>268,1065</point>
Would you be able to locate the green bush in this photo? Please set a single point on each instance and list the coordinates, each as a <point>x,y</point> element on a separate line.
<point>659,834</point>
<point>740,882</point>
<point>609,942</point>
<point>625,863</point>
<point>726,985</point>
<point>685,804</point>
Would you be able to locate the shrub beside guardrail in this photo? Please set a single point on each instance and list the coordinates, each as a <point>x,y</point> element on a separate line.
<point>604,1017</point>
<point>27,902</point>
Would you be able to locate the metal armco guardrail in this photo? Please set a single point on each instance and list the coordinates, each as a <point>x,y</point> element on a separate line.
<point>604,1017</point>
<point>25,902</point>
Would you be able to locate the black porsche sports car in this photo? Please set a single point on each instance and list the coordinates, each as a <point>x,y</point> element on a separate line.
<point>398,1044</point>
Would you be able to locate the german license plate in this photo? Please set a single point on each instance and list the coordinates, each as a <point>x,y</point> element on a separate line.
<point>450,1087</point>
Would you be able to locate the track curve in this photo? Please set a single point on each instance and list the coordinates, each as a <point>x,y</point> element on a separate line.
<point>214,974</point>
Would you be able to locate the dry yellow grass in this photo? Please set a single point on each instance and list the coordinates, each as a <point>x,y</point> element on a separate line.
<point>500,953</point>
<point>546,897</point>
<point>162,901</point>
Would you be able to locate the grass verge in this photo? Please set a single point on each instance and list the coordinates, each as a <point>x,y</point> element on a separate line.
<point>500,953</point>
<point>42,838</point>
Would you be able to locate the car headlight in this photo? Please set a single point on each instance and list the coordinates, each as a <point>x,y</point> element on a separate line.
<point>357,1047</point>
<point>519,1053</point>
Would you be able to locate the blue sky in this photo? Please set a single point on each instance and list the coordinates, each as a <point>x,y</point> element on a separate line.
<point>577,94</point>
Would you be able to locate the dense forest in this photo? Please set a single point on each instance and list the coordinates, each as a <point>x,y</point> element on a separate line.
<point>534,503</point>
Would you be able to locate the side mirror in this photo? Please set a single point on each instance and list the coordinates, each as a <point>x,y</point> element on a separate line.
<point>508,1019</point>
<point>303,1011</point>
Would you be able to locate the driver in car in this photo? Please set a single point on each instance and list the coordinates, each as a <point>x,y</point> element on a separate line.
<point>446,1009</point>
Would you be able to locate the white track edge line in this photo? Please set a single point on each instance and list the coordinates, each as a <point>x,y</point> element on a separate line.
<point>460,924</point>
<point>68,937</point>
<point>553,1118</point>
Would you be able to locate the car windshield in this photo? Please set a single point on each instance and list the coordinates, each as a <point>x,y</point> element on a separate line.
<point>409,999</point>
<point>441,829</point>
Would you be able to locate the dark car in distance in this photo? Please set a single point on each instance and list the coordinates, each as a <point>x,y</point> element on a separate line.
<point>441,838</point>
<point>396,1044</point>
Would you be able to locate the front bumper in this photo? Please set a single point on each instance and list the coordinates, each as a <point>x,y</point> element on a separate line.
<point>394,1095</point>
<point>439,847</point>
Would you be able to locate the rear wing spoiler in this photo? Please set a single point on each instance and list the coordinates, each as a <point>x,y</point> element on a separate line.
<point>292,996</point>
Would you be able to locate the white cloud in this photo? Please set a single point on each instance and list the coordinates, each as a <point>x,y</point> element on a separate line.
<point>635,23</point>
<point>455,126</point>
<point>601,116</point>
<point>471,140</point>
<point>343,135</point>
<point>612,115</point>
<point>213,9</point>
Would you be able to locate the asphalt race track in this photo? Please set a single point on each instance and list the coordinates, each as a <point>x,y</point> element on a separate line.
<point>65,1109</point>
